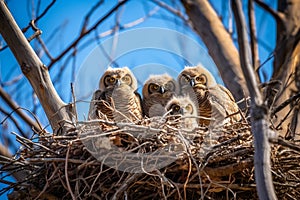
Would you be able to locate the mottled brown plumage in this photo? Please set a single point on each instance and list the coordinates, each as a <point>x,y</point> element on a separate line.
<point>117,99</point>
<point>157,91</point>
<point>214,100</point>
<point>185,108</point>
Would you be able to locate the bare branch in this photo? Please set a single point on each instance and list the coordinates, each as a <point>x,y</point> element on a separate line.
<point>253,36</point>
<point>13,120</point>
<point>16,108</point>
<point>33,69</point>
<point>279,17</point>
<point>259,119</point>
<point>82,35</point>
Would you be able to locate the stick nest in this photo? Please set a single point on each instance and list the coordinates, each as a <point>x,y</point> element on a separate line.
<point>154,159</point>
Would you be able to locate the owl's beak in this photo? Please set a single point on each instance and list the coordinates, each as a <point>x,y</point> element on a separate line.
<point>192,82</point>
<point>118,82</point>
<point>181,111</point>
<point>161,90</point>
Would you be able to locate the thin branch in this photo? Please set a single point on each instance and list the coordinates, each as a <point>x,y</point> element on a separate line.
<point>82,35</point>
<point>14,121</point>
<point>284,104</point>
<point>259,119</point>
<point>88,15</point>
<point>279,17</point>
<point>285,144</point>
<point>20,113</point>
<point>171,10</point>
<point>253,36</point>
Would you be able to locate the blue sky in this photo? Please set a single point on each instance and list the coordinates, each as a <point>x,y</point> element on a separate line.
<point>161,43</point>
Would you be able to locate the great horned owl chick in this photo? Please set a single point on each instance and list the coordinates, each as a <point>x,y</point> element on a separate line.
<point>157,91</point>
<point>213,100</point>
<point>116,99</point>
<point>184,108</point>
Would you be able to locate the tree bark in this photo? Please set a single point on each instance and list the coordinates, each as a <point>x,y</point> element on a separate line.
<point>35,71</point>
<point>219,43</point>
<point>287,67</point>
<point>259,112</point>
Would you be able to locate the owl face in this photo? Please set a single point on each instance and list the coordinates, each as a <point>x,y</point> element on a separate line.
<point>196,77</point>
<point>115,77</point>
<point>160,86</point>
<point>181,106</point>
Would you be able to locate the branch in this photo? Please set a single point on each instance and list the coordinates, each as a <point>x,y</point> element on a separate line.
<point>83,34</point>
<point>219,43</point>
<point>279,17</point>
<point>13,120</point>
<point>253,36</point>
<point>259,122</point>
<point>36,125</point>
<point>285,103</point>
<point>34,70</point>
<point>5,156</point>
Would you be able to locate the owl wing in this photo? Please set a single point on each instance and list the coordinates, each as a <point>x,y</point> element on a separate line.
<point>138,102</point>
<point>101,106</point>
<point>222,101</point>
<point>93,105</point>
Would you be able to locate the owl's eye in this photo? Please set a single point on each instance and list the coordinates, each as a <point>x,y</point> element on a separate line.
<point>170,86</point>
<point>185,79</point>
<point>153,88</point>
<point>201,79</point>
<point>109,80</point>
<point>189,108</point>
<point>176,108</point>
<point>126,79</point>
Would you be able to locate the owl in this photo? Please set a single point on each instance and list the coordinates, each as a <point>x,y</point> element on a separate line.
<point>185,108</point>
<point>157,91</point>
<point>214,100</point>
<point>117,99</point>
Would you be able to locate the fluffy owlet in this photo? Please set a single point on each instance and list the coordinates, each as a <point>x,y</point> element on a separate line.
<point>185,108</point>
<point>116,99</point>
<point>157,91</point>
<point>214,100</point>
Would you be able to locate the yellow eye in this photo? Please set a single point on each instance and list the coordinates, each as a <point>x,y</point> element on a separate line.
<point>111,79</point>
<point>176,108</point>
<point>189,108</point>
<point>201,79</point>
<point>154,87</point>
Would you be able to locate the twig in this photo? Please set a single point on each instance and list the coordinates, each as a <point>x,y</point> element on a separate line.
<point>285,103</point>
<point>279,17</point>
<point>66,173</point>
<point>125,185</point>
<point>74,43</point>
<point>253,36</point>
<point>285,143</point>
<point>37,126</point>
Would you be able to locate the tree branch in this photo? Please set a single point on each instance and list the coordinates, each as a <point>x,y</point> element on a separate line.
<point>279,17</point>
<point>35,71</point>
<point>85,33</point>
<point>219,43</point>
<point>259,114</point>
<point>253,36</point>
<point>16,108</point>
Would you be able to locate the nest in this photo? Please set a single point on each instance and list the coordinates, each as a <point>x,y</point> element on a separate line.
<point>154,159</point>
